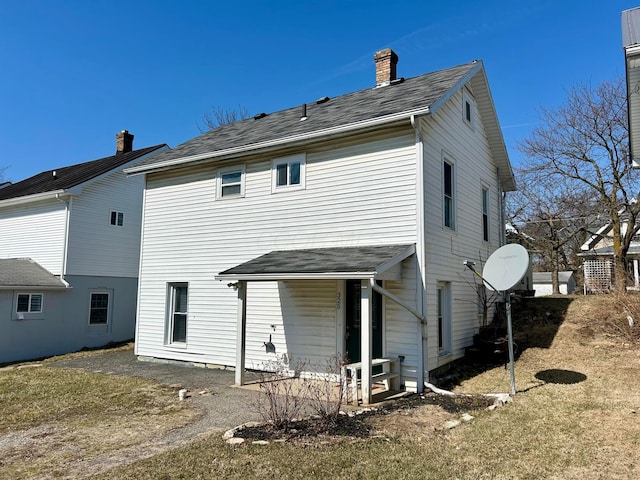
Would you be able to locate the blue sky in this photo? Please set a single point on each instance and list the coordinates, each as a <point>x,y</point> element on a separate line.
<point>73,73</point>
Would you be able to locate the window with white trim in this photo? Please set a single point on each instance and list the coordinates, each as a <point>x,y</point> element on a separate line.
<point>116,218</point>
<point>468,108</point>
<point>485,214</point>
<point>29,302</point>
<point>230,182</point>
<point>99,308</point>
<point>448,190</point>
<point>444,317</point>
<point>178,300</point>
<point>288,173</point>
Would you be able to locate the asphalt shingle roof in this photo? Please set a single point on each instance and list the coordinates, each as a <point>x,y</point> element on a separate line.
<point>545,277</point>
<point>417,93</point>
<point>24,272</point>
<point>70,176</point>
<point>319,260</point>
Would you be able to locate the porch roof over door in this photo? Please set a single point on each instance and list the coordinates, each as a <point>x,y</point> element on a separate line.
<point>321,263</point>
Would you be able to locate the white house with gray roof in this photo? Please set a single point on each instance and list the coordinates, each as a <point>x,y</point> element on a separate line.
<point>69,251</point>
<point>338,226</point>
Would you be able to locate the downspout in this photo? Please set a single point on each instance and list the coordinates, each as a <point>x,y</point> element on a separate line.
<point>422,362</point>
<point>67,208</point>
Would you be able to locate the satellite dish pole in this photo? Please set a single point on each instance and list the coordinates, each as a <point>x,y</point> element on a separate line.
<point>504,269</point>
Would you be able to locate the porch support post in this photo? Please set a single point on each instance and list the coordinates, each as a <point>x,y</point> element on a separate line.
<point>241,331</point>
<point>366,327</point>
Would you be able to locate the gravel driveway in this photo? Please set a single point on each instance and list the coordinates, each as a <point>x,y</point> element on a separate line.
<point>223,406</point>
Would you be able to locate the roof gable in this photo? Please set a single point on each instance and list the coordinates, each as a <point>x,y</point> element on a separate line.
<point>72,176</point>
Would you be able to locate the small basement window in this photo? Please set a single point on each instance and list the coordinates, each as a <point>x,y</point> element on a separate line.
<point>116,218</point>
<point>288,173</point>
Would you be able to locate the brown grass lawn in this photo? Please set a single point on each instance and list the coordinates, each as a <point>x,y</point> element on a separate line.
<point>576,416</point>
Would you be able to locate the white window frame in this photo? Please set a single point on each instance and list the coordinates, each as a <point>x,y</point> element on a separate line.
<point>220,174</point>
<point>118,221</point>
<point>486,215</point>
<point>30,309</point>
<point>450,198</point>
<point>299,158</point>
<point>468,108</point>
<point>171,315</point>
<point>99,292</point>
<point>443,306</point>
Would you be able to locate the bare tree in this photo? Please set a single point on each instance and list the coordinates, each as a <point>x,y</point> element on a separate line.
<point>583,145</point>
<point>218,116</point>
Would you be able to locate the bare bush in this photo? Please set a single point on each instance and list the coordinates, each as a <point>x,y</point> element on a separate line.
<point>282,398</point>
<point>624,320</point>
<point>326,392</point>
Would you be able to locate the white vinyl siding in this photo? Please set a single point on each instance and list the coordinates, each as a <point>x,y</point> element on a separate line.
<point>356,194</point>
<point>96,245</point>
<point>35,231</point>
<point>445,135</point>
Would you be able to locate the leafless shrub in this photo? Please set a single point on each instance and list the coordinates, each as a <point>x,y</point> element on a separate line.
<point>325,391</point>
<point>624,320</point>
<point>282,398</point>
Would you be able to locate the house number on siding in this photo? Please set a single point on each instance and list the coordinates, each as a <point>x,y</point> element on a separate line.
<point>338,300</point>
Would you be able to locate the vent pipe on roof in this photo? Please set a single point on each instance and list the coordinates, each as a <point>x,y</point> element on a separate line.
<point>386,61</point>
<point>4,184</point>
<point>304,112</point>
<point>124,142</point>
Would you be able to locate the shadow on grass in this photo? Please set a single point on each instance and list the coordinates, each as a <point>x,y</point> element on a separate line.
<point>535,321</point>
<point>564,377</point>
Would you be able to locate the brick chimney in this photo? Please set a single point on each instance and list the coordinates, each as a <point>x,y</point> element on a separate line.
<point>386,61</point>
<point>124,142</point>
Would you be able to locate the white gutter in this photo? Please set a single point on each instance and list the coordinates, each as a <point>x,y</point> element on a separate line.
<point>67,211</point>
<point>296,276</point>
<point>272,144</point>
<point>35,287</point>
<point>54,194</point>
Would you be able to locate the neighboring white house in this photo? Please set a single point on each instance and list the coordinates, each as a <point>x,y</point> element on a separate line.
<point>631,46</point>
<point>340,225</point>
<point>542,283</point>
<point>69,256</point>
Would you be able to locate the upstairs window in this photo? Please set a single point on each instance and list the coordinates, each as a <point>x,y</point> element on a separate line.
<point>468,108</point>
<point>448,195</point>
<point>29,303</point>
<point>485,214</point>
<point>287,173</point>
<point>230,182</point>
<point>116,218</point>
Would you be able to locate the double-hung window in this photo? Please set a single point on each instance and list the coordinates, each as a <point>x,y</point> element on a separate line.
<point>177,313</point>
<point>29,303</point>
<point>448,199</point>
<point>444,317</point>
<point>288,173</point>
<point>99,308</point>
<point>230,182</point>
<point>485,214</point>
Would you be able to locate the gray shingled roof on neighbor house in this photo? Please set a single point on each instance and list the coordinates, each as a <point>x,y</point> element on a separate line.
<point>25,273</point>
<point>353,261</point>
<point>71,176</point>
<point>395,102</point>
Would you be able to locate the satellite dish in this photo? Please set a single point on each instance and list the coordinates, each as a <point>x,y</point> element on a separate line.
<point>505,267</point>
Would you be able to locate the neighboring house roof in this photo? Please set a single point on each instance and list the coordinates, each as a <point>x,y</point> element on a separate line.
<point>347,262</point>
<point>363,110</point>
<point>65,178</point>
<point>634,249</point>
<point>545,277</point>
<point>25,273</point>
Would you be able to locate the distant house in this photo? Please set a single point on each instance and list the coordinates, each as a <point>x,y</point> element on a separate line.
<point>69,256</point>
<point>338,226</point>
<point>542,283</point>
<point>597,253</point>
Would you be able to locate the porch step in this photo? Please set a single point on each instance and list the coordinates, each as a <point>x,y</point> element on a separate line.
<point>391,370</point>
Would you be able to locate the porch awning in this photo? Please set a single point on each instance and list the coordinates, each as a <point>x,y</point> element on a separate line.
<point>321,263</point>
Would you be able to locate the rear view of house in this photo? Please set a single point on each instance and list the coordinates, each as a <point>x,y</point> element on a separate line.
<point>69,251</point>
<point>337,226</point>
